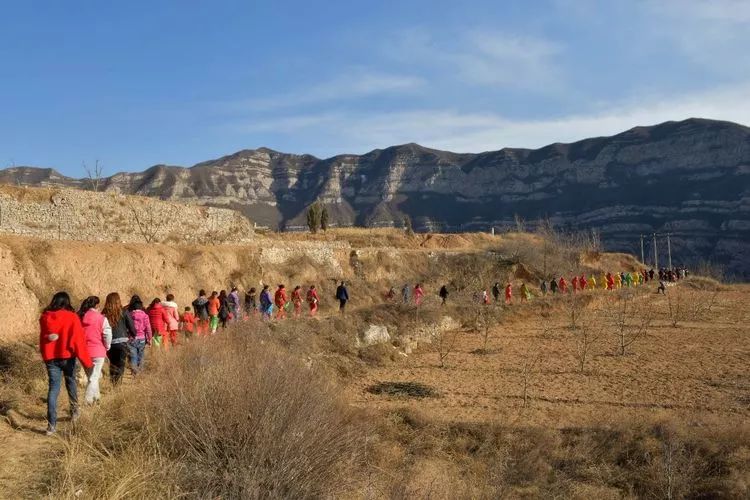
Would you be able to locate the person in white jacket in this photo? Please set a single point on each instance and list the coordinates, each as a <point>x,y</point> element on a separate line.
<point>173,320</point>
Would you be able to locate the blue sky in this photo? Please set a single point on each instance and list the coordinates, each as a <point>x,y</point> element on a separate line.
<point>137,83</point>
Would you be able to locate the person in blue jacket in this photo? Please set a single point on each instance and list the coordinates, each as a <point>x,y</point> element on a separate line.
<point>342,295</point>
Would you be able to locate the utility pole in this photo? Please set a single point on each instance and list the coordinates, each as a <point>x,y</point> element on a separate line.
<point>643,258</point>
<point>656,254</point>
<point>669,249</point>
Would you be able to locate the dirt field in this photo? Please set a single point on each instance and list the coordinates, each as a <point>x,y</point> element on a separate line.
<point>698,372</point>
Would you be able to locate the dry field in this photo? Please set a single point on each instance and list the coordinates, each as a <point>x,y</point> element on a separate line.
<point>698,371</point>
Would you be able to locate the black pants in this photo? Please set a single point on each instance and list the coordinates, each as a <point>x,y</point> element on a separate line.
<point>342,304</point>
<point>118,355</point>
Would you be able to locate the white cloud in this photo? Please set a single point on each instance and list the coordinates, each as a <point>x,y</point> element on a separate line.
<point>351,83</point>
<point>473,132</point>
<point>712,33</point>
<point>483,58</point>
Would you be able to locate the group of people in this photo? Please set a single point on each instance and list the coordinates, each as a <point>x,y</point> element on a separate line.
<point>114,331</point>
<point>120,332</point>
<point>605,281</point>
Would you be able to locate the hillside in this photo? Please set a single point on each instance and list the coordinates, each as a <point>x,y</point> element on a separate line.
<point>690,178</point>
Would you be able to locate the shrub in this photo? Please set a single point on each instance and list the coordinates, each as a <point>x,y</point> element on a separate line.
<point>228,418</point>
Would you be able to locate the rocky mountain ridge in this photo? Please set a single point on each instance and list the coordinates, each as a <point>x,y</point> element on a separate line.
<point>689,178</point>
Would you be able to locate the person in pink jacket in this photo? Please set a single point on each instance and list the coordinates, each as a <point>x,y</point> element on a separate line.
<point>98,337</point>
<point>143,334</point>
<point>172,322</point>
<point>418,294</point>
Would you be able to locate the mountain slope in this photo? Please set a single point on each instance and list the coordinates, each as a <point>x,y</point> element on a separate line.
<point>691,178</point>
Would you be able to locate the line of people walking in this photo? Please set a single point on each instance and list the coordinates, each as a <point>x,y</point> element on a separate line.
<point>120,333</point>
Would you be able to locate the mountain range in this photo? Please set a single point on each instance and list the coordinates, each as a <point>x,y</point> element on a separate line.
<point>689,178</point>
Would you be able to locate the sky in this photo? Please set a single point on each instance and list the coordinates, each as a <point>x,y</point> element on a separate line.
<point>138,83</point>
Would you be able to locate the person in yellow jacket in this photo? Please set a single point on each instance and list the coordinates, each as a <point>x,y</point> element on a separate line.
<point>618,280</point>
<point>592,282</point>
<point>603,282</point>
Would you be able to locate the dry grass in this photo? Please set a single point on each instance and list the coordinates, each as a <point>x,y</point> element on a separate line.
<point>229,418</point>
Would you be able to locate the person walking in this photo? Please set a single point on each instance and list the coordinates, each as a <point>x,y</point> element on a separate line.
<point>313,300</point>
<point>200,306</point>
<point>172,323</point>
<point>418,294</point>
<point>574,282</point>
<point>342,295</point>
<point>592,282</point>
<point>508,293</point>
<point>251,303</point>
<point>543,287</point>
<point>405,293</point>
<point>562,285</point>
<point>525,293</point>
<point>496,292</point>
<point>266,304</point>
<point>61,341</point>
<point>443,294</point>
<point>187,323</point>
<point>158,318</point>
<point>143,335</point>
<point>610,281</point>
<point>603,281</point>
<point>213,307</point>
<point>582,282</point>
<point>553,286</point>
<point>279,300</point>
<point>98,337</point>
<point>225,309</point>
<point>123,329</point>
<point>297,301</point>
<point>234,303</point>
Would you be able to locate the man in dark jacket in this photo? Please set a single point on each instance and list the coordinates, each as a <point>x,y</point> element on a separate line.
<point>444,294</point>
<point>342,295</point>
<point>200,306</point>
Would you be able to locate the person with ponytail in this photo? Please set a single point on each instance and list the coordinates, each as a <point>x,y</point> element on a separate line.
<point>123,330</point>
<point>98,335</point>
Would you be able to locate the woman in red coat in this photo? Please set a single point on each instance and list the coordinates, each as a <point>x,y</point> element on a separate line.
<point>61,341</point>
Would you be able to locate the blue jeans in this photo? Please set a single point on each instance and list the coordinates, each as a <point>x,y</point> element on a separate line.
<point>137,355</point>
<point>56,370</point>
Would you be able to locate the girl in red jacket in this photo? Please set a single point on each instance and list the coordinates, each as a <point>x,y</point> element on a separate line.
<point>279,300</point>
<point>297,300</point>
<point>61,341</point>
<point>313,300</point>
<point>158,317</point>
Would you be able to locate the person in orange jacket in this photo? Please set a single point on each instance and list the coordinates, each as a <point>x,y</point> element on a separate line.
<point>187,321</point>
<point>61,341</point>
<point>297,300</point>
<point>574,282</point>
<point>508,293</point>
<point>563,285</point>
<point>280,300</point>
<point>610,281</point>
<point>313,300</point>
<point>582,282</point>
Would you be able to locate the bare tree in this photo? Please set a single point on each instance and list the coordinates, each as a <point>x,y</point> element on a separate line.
<point>530,362</point>
<point>149,222</point>
<point>443,342</point>
<point>586,335</point>
<point>631,320</point>
<point>94,175</point>
<point>674,306</point>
